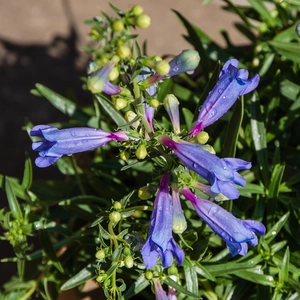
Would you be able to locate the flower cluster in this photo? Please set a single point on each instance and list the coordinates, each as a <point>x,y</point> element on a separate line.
<point>198,158</point>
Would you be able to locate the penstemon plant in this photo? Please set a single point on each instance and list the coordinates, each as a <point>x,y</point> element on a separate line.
<point>150,205</point>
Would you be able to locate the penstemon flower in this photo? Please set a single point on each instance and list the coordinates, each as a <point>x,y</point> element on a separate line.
<point>232,84</point>
<point>235,232</point>
<point>58,142</point>
<point>160,294</point>
<point>160,241</point>
<point>220,172</point>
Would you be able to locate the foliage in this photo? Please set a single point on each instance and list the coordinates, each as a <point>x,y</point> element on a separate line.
<point>92,224</point>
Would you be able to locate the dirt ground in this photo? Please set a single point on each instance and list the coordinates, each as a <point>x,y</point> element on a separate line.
<point>40,41</point>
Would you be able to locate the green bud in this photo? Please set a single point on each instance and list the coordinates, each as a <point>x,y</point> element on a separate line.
<point>148,275</point>
<point>117,205</point>
<point>202,137</point>
<point>101,278</point>
<point>143,21</point>
<point>137,10</point>
<point>154,103</point>
<point>118,25</point>
<point>126,251</point>
<point>123,51</point>
<point>100,254</point>
<point>144,193</point>
<point>124,155</point>
<point>130,116</point>
<point>128,261</point>
<point>120,103</point>
<point>172,271</point>
<point>114,74</point>
<point>141,151</point>
<point>115,217</point>
<point>162,68</point>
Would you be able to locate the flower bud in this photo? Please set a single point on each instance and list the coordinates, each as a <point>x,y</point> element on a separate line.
<point>143,21</point>
<point>144,193</point>
<point>120,103</point>
<point>117,205</point>
<point>141,151</point>
<point>123,51</point>
<point>137,10</point>
<point>124,155</point>
<point>148,275</point>
<point>130,116</point>
<point>202,137</point>
<point>118,25</point>
<point>154,103</point>
<point>171,105</point>
<point>128,261</point>
<point>100,254</point>
<point>101,278</point>
<point>115,217</point>
<point>114,74</point>
<point>126,251</point>
<point>179,224</point>
<point>162,67</point>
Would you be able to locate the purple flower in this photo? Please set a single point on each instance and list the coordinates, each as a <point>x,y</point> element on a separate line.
<point>235,232</point>
<point>160,294</point>
<point>171,105</point>
<point>98,81</point>
<point>220,172</point>
<point>160,241</point>
<point>186,61</point>
<point>232,83</point>
<point>57,142</point>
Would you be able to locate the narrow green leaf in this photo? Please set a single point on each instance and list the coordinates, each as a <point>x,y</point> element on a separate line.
<point>188,117</point>
<point>233,128</point>
<point>111,110</point>
<point>267,280</point>
<point>63,104</point>
<point>12,201</point>
<point>284,269</point>
<point>276,178</point>
<point>259,139</point>
<point>139,285</point>
<point>226,268</point>
<point>81,277</point>
<point>289,50</point>
<point>191,278</point>
<point>201,270</point>
<point>273,232</point>
<point>259,6</point>
<point>21,267</point>
<point>169,281</point>
<point>27,176</point>
<point>49,249</point>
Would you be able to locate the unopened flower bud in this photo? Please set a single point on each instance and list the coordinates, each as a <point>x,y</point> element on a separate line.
<point>141,151</point>
<point>130,116</point>
<point>114,74</point>
<point>137,10</point>
<point>143,21</point>
<point>118,25</point>
<point>124,155</point>
<point>162,67</point>
<point>202,137</point>
<point>179,224</point>
<point>115,217</point>
<point>123,51</point>
<point>154,103</point>
<point>171,105</point>
<point>117,205</point>
<point>128,261</point>
<point>172,271</point>
<point>120,103</point>
<point>144,193</point>
<point>148,275</point>
<point>101,278</point>
<point>100,254</point>
<point>126,251</point>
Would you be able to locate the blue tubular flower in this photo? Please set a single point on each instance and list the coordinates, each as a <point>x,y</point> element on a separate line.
<point>186,61</point>
<point>235,232</point>
<point>98,81</point>
<point>232,83</point>
<point>160,294</point>
<point>220,172</point>
<point>160,241</point>
<point>68,141</point>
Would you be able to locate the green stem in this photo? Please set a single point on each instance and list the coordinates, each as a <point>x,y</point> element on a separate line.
<point>74,164</point>
<point>112,234</point>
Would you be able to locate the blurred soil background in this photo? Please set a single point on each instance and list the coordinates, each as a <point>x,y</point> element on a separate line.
<point>41,42</point>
